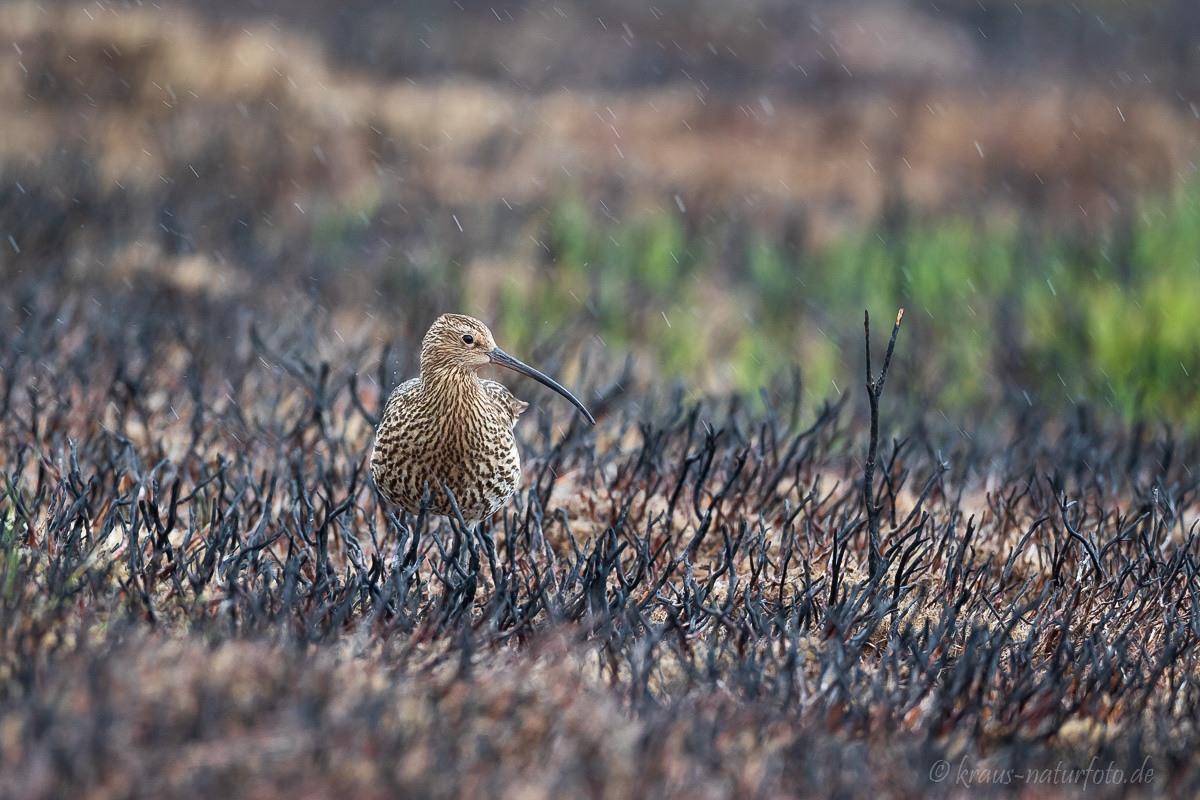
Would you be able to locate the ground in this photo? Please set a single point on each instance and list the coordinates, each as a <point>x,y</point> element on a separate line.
<point>225,239</point>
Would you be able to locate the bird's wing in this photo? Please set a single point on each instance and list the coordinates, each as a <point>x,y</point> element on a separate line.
<point>500,393</point>
<point>401,392</point>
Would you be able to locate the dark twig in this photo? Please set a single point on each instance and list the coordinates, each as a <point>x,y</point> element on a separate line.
<point>874,390</point>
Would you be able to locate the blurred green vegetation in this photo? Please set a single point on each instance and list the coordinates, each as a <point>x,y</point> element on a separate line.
<point>1121,319</point>
<point>341,227</point>
<point>995,311</point>
<point>632,279</point>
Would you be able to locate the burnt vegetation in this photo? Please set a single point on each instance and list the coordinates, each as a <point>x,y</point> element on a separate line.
<point>219,248</point>
<point>200,588</point>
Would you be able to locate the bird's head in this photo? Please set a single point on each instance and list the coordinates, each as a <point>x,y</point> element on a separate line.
<point>456,343</point>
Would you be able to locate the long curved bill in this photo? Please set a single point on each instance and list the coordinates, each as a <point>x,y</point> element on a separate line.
<point>503,359</point>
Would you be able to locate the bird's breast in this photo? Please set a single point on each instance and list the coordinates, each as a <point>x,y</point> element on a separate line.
<point>468,448</point>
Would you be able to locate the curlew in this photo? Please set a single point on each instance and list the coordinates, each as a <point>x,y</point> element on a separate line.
<point>450,429</point>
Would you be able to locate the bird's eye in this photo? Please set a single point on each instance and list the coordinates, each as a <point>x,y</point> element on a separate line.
<point>468,339</point>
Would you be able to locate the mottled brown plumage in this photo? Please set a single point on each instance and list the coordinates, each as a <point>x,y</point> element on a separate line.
<point>450,428</point>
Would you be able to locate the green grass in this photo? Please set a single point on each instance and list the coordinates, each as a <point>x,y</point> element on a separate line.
<point>994,311</point>
<point>1120,321</point>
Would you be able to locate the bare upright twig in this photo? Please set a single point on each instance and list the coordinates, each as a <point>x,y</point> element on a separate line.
<point>874,390</point>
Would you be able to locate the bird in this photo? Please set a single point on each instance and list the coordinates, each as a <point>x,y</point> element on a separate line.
<point>449,429</point>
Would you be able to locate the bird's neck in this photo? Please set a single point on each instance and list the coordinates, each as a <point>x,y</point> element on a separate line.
<point>450,381</point>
